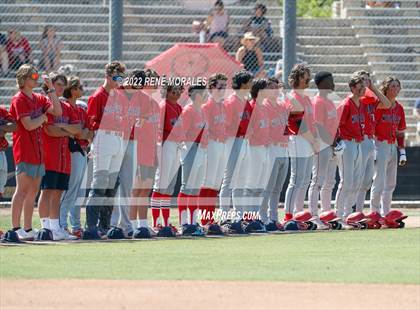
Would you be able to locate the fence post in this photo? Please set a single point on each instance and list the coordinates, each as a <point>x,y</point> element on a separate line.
<point>115,29</point>
<point>289,37</point>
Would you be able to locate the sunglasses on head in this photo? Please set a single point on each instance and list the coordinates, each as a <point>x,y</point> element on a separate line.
<point>118,78</point>
<point>34,76</point>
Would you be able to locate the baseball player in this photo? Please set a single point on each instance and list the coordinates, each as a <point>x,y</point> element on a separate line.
<point>302,142</point>
<point>146,135</point>
<point>57,161</point>
<point>237,110</point>
<point>7,124</point>
<point>217,150</point>
<point>278,161</point>
<point>370,100</point>
<point>325,163</point>
<point>389,136</point>
<point>252,173</point>
<point>168,159</point>
<point>30,111</point>
<point>129,98</point>
<point>105,117</point>
<point>192,123</point>
<point>78,149</point>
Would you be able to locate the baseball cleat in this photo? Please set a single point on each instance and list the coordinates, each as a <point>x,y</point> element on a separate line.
<point>91,234</point>
<point>344,225</point>
<point>271,226</point>
<point>25,236</point>
<point>320,225</point>
<point>68,235</point>
<point>58,235</point>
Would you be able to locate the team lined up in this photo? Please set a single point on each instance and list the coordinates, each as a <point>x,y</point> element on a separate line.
<point>234,149</point>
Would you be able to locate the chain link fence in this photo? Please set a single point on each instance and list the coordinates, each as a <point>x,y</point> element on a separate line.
<point>380,36</point>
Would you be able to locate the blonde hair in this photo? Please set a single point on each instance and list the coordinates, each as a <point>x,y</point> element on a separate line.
<point>24,72</point>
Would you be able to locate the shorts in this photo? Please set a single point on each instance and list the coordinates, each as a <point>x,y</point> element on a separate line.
<point>55,180</point>
<point>34,171</point>
<point>146,172</point>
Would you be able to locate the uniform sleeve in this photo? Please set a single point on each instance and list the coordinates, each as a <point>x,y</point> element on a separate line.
<point>44,101</point>
<point>94,113</point>
<point>74,116</point>
<point>19,108</point>
<point>343,112</point>
<point>319,113</point>
<point>402,125</point>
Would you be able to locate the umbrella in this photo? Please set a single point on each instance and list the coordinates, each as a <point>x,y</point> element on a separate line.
<point>194,60</point>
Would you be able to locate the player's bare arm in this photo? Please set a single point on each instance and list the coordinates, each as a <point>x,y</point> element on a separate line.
<point>73,129</point>
<point>31,124</point>
<point>385,103</point>
<point>55,108</point>
<point>56,131</point>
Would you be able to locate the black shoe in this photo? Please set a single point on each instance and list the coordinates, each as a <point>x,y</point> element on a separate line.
<point>236,227</point>
<point>166,232</point>
<point>142,233</point>
<point>188,229</point>
<point>272,226</point>
<point>255,227</point>
<point>91,234</point>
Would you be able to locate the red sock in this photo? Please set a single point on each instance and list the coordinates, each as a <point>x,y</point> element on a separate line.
<point>182,207</point>
<point>165,204</point>
<point>207,204</point>
<point>202,205</point>
<point>211,207</point>
<point>155,205</point>
<point>192,206</point>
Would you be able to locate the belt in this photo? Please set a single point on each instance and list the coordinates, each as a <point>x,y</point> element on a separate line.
<point>114,133</point>
<point>386,140</point>
<point>354,140</point>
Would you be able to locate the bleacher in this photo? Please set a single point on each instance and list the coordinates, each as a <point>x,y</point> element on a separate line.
<point>383,41</point>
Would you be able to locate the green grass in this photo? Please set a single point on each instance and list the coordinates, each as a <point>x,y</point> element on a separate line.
<point>386,256</point>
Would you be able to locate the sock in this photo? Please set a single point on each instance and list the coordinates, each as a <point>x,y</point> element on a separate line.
<point>28,230</point>
<point>202,205</point>
<point>182,208</point>
<point>45,223</point>
<point>16,228</point>
<point>55,224</point>
<point>155,205</point>
<point>134,224</point>
<point>143,223</point>
<point>193,209</point>
<point>288,216</point>
<point>165,203</point>
<point>213,202</point>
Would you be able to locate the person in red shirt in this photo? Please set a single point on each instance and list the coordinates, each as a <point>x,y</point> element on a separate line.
<point>325,163</point>
<point>389,140</point>
<point>146,134</point>
<point>278,160</point>
<point>251,174</point>
<point>372,98</point>
<point>303,142</point>
<point>78,148</point>
<point>238,113</point>
<point>216,149</point>
<point>18,49</point>
<point>168,159</point>
<point>57,161</point>
<point>105,117</point>
<point>30,111</point>
<point>7,124</point>
<point>192,158</point>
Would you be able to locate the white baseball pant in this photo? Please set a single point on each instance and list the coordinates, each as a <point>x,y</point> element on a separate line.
<point>368,159</point>
<point>168,165</point>
<point>217,155</point>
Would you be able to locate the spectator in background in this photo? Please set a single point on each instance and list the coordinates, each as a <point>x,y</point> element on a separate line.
<point>18,49</point>
<point>4,57</point>
<point>260,25</point>
<point>250,55</point>
<point>7,124</point>
<point>51,46</point>
<point>217,24</point>
<point>416,113</point>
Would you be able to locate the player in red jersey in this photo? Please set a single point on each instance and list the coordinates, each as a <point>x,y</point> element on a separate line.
<point>7,124</point>
<point>389,140</point>
<point>168,159</point>
<point>57,161</point>
<point>30,111</point>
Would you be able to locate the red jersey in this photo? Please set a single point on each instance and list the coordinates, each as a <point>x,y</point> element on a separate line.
<point>146,130</point>
<point>258,133</point>
<point>278,115</point>
<point>215,118</point>
<point>192,125</point>
<point>27,145</point>
<point>352,121</point>
<point>15,49</point>
<point>325,115</point>
<point>238,113</point>
<point>169,114</point>
<point>370,101</point>
<point>5,117</point>
<point>96,106</point>
<point>57,152</point>
<point>296,118</point>
<point>80,110</point>
<point>388,122</point>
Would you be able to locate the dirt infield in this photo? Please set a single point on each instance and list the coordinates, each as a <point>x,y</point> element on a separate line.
<point>214,295</point>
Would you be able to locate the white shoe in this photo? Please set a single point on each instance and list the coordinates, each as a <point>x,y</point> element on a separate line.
<point>344,225</point>
<point>59,235</point>
<point>320,225</point>
<point>25,236</point>
<point>68,236</point>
